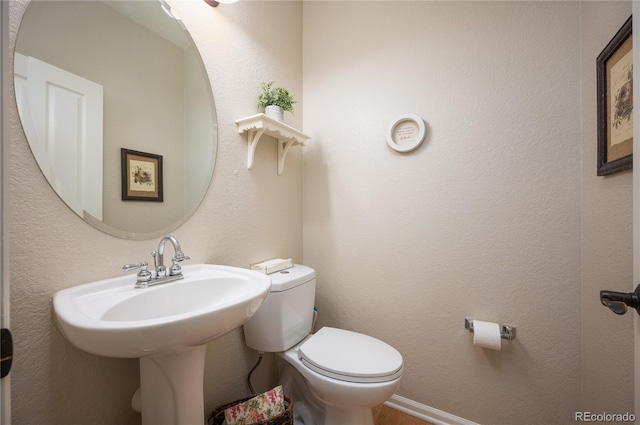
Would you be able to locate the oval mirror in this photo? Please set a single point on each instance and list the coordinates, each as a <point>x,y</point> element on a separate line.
<point>117,108</point>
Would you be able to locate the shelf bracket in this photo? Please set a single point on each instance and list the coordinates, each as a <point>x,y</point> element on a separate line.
<point>258,125</point>
<point>283,148</point>
<point>253,137</point>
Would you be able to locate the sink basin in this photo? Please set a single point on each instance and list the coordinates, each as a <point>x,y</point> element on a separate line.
<point>111,318</point>
<point>167,326</point>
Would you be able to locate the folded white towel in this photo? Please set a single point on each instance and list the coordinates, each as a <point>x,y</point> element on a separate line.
<point>272,266</point>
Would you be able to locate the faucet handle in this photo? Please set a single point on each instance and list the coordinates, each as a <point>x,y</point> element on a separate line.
<point>129,267</point>
<point>144,275</point>
<point>175,269</point>
<point>180,257</point>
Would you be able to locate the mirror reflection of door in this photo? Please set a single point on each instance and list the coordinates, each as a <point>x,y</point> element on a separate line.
<point>66,127</point>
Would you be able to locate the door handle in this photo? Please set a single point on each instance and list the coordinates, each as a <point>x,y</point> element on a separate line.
<point>618,302</point>
<point>7,352</point>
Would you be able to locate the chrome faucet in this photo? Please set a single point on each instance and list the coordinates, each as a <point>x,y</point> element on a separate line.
<point>145,278</point>
<point>158,257</point>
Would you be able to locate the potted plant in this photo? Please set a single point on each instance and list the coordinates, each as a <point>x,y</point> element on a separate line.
<point>275,101</point>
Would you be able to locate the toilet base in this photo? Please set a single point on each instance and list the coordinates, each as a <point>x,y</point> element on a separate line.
<point>323,408</point>
<point>335,415</point>
<point>306,409</point>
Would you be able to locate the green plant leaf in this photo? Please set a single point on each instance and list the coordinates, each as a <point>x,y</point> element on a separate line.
<point>278,96</point>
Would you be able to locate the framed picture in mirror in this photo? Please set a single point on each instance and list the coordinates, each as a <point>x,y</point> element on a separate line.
<point>615,103</point>
<point>141,176</point>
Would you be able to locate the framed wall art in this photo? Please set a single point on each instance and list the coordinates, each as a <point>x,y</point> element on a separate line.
<point>141,176</point>
<point>615,103</point>
<point>406,133</point>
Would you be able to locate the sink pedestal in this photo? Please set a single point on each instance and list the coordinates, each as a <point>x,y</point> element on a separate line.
<point>171,387</point>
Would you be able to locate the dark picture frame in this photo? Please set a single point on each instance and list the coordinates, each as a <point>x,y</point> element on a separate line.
<point>141,176</point>
<point>615,103</point>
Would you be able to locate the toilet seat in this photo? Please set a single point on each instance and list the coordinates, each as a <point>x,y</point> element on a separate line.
<point>350,356</point>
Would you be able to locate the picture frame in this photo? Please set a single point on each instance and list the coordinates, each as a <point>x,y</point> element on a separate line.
<point>615,103</point>
<point>141,176</point>
<point>405,133</point>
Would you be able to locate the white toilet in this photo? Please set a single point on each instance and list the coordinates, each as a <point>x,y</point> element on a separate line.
<point>334,376</point>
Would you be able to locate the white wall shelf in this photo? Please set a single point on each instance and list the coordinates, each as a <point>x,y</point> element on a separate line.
<point>258,125</point>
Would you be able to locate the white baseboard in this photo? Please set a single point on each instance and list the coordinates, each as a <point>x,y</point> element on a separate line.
<point>426,413</point>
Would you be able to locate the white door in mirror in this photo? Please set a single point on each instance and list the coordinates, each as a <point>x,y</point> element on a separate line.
<point>62,112</point>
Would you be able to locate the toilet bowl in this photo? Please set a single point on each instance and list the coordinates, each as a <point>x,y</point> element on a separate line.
<point>347,391</point>
<point>335,376</point>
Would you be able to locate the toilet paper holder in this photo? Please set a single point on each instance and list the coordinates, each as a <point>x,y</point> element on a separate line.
<point>506,331</point>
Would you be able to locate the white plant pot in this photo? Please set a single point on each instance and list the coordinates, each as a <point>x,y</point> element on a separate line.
<point>275,112</point>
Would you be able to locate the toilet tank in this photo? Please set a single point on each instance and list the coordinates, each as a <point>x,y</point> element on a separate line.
<point>286,316</point>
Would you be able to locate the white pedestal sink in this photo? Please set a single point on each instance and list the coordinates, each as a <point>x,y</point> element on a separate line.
<point>166,326</point>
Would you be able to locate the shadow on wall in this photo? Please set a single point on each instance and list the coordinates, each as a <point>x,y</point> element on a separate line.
<point>317,209</point>
<point>118,378</point>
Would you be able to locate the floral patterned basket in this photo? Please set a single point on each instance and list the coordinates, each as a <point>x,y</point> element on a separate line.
<point>285,418</point>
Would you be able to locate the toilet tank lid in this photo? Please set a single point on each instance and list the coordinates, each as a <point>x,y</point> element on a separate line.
<point>291,277</point>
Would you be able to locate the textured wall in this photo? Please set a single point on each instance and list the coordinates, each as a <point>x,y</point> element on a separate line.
<point>247,216</point>
<point>607,237</point>
<point>482,221</point>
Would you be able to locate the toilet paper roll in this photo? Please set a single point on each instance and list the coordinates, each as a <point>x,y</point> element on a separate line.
<point>486,335</point>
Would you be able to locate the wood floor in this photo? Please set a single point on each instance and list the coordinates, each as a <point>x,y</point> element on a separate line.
<point>384,415</point>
